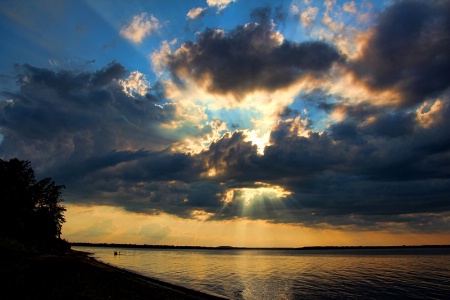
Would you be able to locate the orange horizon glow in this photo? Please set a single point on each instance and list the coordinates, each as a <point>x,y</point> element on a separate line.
<point>105,224</point>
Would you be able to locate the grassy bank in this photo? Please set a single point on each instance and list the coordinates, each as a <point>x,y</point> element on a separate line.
<point>74,275</point>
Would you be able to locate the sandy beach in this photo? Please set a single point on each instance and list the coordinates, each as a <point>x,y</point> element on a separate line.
<point>75,275</point>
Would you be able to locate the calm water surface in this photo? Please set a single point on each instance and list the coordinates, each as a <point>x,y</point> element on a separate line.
<point>293,274</point>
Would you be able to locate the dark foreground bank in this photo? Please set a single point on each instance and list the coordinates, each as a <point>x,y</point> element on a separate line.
<point>74,275</point>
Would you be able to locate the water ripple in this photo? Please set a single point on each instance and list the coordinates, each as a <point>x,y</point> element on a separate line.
<point>290,274</point>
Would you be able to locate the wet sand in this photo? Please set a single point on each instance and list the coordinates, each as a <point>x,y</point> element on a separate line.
<point>75,275</point>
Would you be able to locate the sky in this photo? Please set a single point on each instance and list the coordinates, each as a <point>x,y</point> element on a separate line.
<point>234,122</point>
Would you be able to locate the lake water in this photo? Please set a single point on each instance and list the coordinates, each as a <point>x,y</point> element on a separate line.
<point>294,274</point>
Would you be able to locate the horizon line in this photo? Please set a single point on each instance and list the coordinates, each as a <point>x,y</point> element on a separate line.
<point>225,247</point>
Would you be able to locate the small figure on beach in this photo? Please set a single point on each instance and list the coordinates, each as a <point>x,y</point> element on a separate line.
<point>115,252</point>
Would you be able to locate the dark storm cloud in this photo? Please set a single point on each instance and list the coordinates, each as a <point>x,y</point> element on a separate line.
<point>145,182</point>
<point>84,131</point>
<point>103,145</point>
<point>364,120</point>
<point>155,93</point>
<point>87,167</point>
<point>360,175</point>
<point>64,117</point>
<point>186,198</point>
<point>392,125</point>
<point>365,180</point>
<point>249,57</point>
<point>233,154</point>
<point>409,51</point>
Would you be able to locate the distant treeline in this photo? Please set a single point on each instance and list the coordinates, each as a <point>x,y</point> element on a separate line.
<point>113,245</point>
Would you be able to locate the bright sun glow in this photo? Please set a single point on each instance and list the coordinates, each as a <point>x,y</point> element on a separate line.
<point>260,141</point>
<point>249,195</point>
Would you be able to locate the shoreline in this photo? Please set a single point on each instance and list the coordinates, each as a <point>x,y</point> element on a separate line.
<point>77,275</point>
<point>153,280</point>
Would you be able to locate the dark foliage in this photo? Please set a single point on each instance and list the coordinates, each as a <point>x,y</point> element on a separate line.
<point>31,211</point>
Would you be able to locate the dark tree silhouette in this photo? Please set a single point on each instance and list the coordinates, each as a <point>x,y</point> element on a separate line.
<point>31,211</point>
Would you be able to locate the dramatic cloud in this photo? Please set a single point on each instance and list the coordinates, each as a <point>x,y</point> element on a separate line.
<point>141,26</point>
<point>343,174</point>
<point>63,116</point>
<point>248,58</point>
<point>408,51</point>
